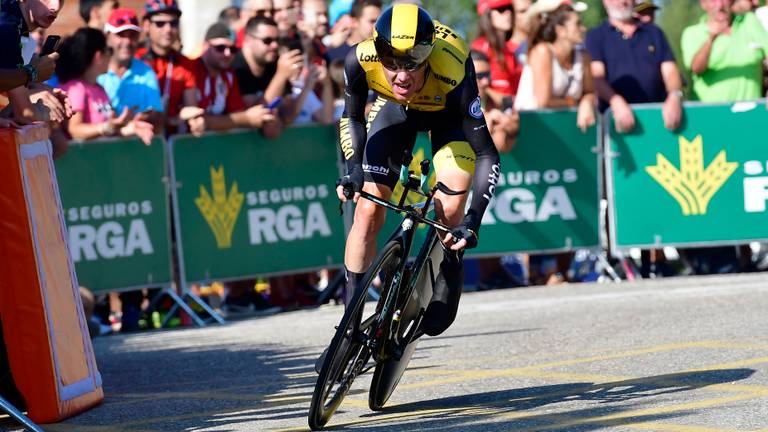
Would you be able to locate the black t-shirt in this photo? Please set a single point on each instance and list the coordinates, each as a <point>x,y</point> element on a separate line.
<point>248,82</point>
<point>12,27</point>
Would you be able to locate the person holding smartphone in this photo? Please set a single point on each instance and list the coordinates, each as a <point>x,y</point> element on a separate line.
<point>218,90</point>
<point>21,71</point>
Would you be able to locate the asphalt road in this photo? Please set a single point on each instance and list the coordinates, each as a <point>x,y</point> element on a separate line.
<point>685,354</point>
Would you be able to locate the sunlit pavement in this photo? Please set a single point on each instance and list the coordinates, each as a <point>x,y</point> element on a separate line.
<point>685,354</point>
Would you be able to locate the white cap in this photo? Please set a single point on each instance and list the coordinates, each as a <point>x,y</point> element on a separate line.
<point>547,6</point>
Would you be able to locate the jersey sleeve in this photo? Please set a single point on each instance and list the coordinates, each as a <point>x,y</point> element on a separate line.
<point>352,133</point>
<point>487,168</point>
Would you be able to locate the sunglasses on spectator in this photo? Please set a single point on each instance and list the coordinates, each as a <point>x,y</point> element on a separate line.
<point>262,12</point>
<point>223,48</point>
<point>482,75</point>
<point>163,23</point>
<point>503,9</point>
<point>266,40</point>
<point>125,21</point>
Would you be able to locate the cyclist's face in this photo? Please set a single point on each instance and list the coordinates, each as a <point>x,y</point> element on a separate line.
<point>405,83</point>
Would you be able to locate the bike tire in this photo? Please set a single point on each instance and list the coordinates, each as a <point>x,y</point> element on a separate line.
<point>342,361</point>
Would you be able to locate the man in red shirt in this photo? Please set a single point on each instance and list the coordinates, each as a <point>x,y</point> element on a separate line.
<point>218,92</point>
<point>174,71</point>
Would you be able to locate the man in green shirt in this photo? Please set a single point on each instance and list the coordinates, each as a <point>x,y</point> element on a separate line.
<point>725,54</point>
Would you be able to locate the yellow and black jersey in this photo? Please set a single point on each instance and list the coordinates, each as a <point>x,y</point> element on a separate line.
<point>446,63</point>
<point>447,105</point>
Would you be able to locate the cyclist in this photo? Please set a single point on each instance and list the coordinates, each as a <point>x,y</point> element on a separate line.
<point>421,71</point>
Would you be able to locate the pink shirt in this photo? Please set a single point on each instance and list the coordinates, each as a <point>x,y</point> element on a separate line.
<point>89,99</point>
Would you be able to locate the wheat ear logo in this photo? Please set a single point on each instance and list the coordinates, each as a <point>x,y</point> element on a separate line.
<point>692,186</point>
<point>220,211</point>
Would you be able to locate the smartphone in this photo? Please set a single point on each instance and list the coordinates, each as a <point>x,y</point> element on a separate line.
<point>50,45</point>
<point>275,102</point>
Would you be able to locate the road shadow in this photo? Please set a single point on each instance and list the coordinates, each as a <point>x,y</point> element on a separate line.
<point>173,384</point>
<point>512,409</point>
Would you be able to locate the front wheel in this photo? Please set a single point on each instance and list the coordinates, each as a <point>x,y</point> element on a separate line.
<point>349,350</point>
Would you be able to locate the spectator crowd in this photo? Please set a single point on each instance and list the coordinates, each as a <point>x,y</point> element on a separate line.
<point>270,64</point>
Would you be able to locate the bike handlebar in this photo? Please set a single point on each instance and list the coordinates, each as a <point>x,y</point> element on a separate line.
<point>411,184</point>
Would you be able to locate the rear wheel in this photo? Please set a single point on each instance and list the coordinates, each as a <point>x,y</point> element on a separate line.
<point>349,350</point>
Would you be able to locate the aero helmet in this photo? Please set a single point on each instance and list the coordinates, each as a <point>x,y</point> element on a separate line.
<point>404,36</point>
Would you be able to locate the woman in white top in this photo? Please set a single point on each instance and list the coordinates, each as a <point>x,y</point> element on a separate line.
<point>557,74</point>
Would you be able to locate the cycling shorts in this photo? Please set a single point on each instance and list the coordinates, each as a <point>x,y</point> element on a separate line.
<point>392,130</point>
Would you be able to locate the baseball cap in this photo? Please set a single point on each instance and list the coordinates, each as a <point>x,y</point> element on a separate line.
<point>121,20</point>
<point>547,6</point>
<point>485,5</point>
<point>645,6</point>
<point>152,7</point>
<point>219,30</point>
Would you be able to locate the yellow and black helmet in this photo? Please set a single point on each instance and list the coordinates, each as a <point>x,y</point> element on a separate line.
<point>404,36</point>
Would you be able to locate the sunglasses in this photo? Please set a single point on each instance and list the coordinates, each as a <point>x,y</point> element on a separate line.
<point>263,12</point>
<point>126,20</point>
<point>503,9</point>
<point>266,40</point>
<point>223,48</point>
<point>395,64</point>
<point>163,23</point>
<point>483,75</point>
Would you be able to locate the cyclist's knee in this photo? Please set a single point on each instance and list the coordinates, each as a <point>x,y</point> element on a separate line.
<point>369,217</point>
<point>450,210</point>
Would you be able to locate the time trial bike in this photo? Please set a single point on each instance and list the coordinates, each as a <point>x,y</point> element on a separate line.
<point>385,331</point>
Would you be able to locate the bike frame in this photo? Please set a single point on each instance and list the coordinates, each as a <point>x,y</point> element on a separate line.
<point>398,295</point>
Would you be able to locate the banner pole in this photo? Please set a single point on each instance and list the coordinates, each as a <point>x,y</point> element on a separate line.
<point>178,298</point>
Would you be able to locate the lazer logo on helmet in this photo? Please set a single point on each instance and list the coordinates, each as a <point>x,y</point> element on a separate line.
<point>369,58</point>
<point>402,36</point>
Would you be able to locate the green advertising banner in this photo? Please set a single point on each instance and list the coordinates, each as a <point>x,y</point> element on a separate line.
<point>251,206</point>
<point>115,201</point>
<point>547,195</point>
<point>705,183</point>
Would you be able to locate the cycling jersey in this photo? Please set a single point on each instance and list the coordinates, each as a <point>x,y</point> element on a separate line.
<point>448,105</point>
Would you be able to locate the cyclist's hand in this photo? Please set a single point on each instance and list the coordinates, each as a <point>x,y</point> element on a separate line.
<point>349,186</point>
<point>461,237</point>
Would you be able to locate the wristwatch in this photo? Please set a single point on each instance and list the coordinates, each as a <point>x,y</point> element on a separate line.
<point>31,74</point>
<point>678,93</point>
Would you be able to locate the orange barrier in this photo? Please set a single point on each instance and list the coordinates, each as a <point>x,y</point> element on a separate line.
<point>45,331</point>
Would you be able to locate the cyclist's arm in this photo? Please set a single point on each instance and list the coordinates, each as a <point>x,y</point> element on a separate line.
<point>487,167</point>
<point>352,125</point>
